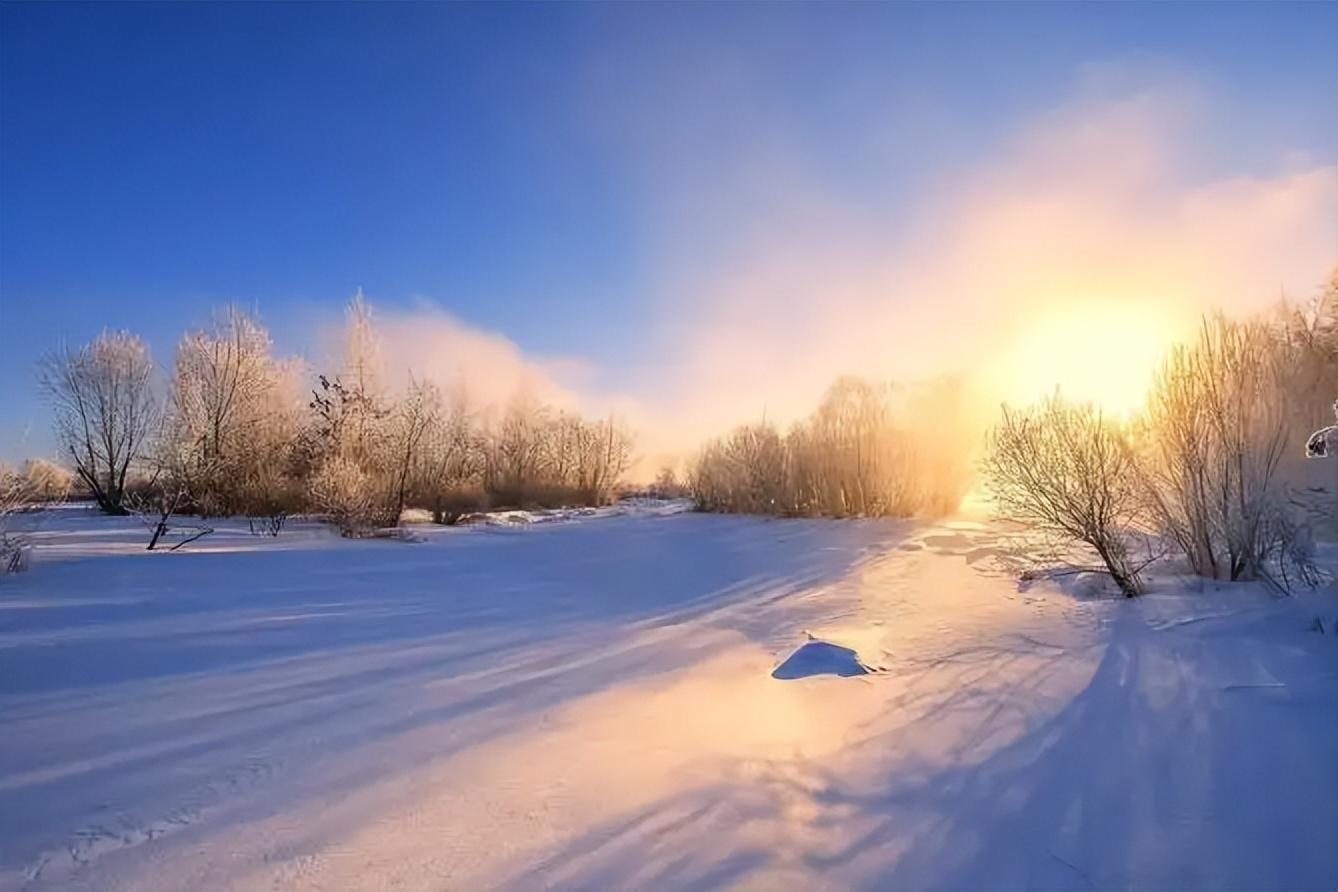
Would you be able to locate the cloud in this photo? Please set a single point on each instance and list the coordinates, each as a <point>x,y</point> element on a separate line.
<point>1072,253</point>
<point>427,341</point>
<point>1094,214</point>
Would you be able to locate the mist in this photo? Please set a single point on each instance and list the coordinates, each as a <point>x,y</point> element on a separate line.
<point>1096,236</point>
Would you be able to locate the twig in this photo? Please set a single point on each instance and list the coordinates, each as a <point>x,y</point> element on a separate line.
<point>1073,867</point>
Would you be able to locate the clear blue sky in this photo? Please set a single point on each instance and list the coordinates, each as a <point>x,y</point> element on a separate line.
<point>156,160</point>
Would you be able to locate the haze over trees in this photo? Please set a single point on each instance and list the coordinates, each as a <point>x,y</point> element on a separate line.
<point>868,450</point>
<point>1213,464</point>
<point>1209,467</point>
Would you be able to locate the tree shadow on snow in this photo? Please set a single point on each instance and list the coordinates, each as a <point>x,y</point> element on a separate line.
<point>1153,775</point>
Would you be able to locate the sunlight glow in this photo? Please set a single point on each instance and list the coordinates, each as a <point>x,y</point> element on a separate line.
<point>1103,352</point>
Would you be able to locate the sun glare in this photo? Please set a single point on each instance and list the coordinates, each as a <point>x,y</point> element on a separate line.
<point>1104,353</point>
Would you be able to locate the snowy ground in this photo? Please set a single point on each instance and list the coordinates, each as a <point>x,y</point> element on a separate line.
<point>590,704</point>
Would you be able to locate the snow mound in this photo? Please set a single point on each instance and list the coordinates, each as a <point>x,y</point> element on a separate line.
<point>818,657</point>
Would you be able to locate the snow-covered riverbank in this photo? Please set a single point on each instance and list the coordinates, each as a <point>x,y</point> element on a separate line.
<point>589,704</point>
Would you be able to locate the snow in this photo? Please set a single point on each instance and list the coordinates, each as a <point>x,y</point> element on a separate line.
<point>818,657</point>
<point>590,704</point>
<point>1323,442</point>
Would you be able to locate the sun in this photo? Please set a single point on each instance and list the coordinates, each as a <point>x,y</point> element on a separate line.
<point>1102,352</point>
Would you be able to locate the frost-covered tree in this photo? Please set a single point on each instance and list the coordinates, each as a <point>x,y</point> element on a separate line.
<point>1066,471</point>
<point>14,495</point>
<point>413,416</point>
<point>350,447</point>
<point>448,476</point>
<point>231,422</point>
<point>46,481</point>
<point>850,457</point>
<point>1215,433</point>
<point>517,458</point>
<point>361,445</point>
<point>865,451</point>
<point>744,472</point>
<point>105,409</point>
<point>452,466</point>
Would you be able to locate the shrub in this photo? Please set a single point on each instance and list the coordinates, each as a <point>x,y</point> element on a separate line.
<point>1214,436</point>
<point>355,501</point>
<point>1068,472</point>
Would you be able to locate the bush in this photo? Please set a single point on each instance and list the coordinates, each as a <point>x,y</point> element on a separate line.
<point>46,481</point>
<point>356,502</point>
<point>1068,472</point>
<point>1214,437</point>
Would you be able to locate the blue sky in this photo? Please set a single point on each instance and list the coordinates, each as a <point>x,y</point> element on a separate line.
<point>550,171</point>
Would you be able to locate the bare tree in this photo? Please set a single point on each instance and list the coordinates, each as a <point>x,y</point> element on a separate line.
<point>353,499</point>
<point>850,458</point>
<point>744,472</point>
<point>860,453</point>
<point>1215,433</point>
<point>667,485</point>
<point>105,410</point>
<point>448,480</point>
<point>600,452</point>
<point>517,458</point>
<point>416,414</point>
<point>1066,471</point>
<point>156,503</point>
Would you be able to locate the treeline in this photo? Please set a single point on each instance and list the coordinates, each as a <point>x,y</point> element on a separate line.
<point>232,435</point>
<point>867,451</point>
<point>1213,468</point>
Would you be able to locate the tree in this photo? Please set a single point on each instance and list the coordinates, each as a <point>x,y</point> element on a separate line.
<point>416,414</point>
<point>102,394</point>
<point>230,423</point>
<point>1068,472</point>
<point>448,480</point>
<point>865,451</point>
<point>359,447</point>
<point>850,458</point>
<point>1214,435</point>
<point>46,481</point>
<point>517,458</point>
<point>14,495</point>
<point>744,472</point>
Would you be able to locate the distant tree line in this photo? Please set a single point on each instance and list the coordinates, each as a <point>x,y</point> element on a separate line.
<point>231,436</point>
<point>868,450</point>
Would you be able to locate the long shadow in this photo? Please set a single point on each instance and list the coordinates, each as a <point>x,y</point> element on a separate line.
<point>1152,775</point>
<point>138,704</point>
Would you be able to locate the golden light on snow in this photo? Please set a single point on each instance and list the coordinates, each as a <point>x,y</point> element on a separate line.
<point>1103,352</point>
